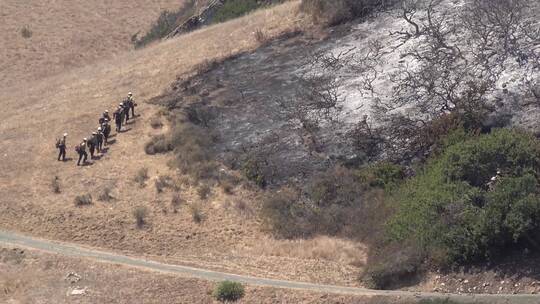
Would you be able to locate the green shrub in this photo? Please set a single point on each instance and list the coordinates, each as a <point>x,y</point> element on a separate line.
<point>228,291</point>
<point>165,24</point>
<point>457,214</point>
<point>236,8</point>
<point>383,175</point>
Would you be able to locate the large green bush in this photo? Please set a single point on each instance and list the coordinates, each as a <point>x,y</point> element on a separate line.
<point>457,214</point>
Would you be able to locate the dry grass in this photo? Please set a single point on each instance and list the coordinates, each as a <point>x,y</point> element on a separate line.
<point>40,39</point>
<point>36,112</point>
<point>318,248</point>
<point>101,84</point>
<point>38,282</point>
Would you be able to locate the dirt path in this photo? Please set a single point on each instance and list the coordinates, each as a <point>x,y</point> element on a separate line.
<point>12,239</point>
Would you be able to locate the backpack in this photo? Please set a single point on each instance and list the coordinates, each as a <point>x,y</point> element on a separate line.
<point>78,148</point>
<point>57,143</point>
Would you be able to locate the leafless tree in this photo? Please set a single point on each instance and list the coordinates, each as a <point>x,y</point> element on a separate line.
<point>453,66</point>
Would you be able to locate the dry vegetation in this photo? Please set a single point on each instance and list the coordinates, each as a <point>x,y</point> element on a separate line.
<point>31,124</point>
<point>44,39</point>
<point>42,278</point>
<point>206,233</point>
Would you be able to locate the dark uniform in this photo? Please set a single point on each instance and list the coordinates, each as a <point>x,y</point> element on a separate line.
<point>125,106</point>
<point>132,105</point>
<point>104,117</point>
<point>92,143</point>
<point>118,116</point>
<point>99,140</point>
<point>106,131</point>
<point>61,145</point>
<point>81,149</point>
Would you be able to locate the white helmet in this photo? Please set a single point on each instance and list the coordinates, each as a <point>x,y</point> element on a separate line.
<point>65,134</point>
<point>85,139</point>
<point>130,94</point>
<point>106,111</point>
<point>99,128</point>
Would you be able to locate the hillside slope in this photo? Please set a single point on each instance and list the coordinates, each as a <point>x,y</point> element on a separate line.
<point>67,34</point>
<point>35,114</point>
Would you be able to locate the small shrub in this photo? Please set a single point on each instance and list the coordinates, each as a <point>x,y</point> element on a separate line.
<point>204,191</point>
<point>158,144</point>
<point>243,208</point>
<point>141,177</point>
<point>165,24</point>
<point>256,170</point>
<point>106,194</point>
<point>162,182</point>
<point>260,36</point>
<point>26,33</point>
<point>176,202</point>
<point>227,186</point>
<point>55,185</point>
<point>196,213</point>
<point>82,200</point>
<point>156,123</point>
<point>228,291</point>
<point>383,175</point>
<point>140,213</point>
<point>392,264</point>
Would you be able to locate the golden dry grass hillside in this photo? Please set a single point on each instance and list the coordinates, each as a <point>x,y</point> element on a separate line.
<point>67,34</point>
<point>34,113</point>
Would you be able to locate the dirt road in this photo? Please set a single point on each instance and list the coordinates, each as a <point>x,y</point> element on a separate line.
<point>13,239</point>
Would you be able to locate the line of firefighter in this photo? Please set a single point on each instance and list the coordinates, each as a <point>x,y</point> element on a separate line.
<point>99,138</point>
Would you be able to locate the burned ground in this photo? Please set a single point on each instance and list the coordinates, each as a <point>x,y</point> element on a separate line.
<point>242,101</point>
